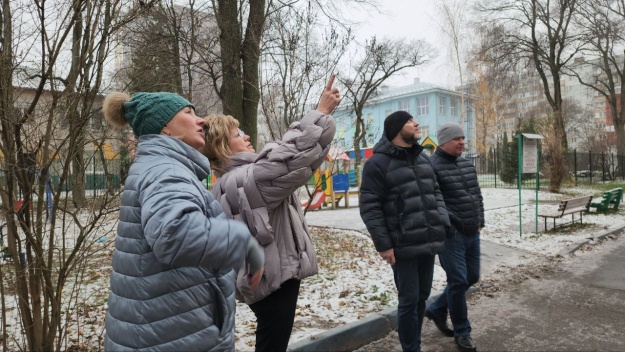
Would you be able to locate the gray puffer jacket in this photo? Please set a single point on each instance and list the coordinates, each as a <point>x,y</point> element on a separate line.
<point>258,190</point>
<point>172,285</point>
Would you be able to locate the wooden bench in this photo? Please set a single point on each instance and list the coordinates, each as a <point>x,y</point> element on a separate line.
<point>610,198</point>
<point>568,206</point>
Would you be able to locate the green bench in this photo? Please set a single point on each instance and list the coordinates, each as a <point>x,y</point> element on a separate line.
<point>610,200</point>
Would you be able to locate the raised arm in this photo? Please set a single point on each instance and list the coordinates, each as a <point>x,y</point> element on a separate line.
<point>286,165</point>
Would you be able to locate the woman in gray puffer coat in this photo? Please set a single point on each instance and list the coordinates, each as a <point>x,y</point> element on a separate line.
<point>257,189</point>
<point>172,284</point>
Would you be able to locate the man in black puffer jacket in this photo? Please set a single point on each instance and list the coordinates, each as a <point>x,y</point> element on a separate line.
<point>458,181</point>
<point>403,208</point>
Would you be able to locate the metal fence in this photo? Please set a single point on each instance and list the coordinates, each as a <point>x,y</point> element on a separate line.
<point>493,169</point>
<point>99,176</point>
<point>497,171</point>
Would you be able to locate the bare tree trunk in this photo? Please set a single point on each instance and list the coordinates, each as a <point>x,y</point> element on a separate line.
<point>3,307</point>
<point>231,90</point>
<point>250,56</point>
<point>619,123</point>
<point>75,124</point>
<point>8,138</point>
<point>30,142</point>
<point>358,136</point>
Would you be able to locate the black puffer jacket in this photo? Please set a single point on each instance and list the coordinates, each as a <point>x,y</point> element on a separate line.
<point>401,203</point>
<point>458,182</point>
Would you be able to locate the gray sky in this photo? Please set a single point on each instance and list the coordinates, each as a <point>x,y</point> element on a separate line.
<point>410,19</point>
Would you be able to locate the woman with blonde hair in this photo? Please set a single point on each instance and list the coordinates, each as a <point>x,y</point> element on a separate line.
<point>172,283</point>
<point>257,189</point>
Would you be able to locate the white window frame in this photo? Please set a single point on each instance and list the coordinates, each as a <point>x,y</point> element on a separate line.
<point>422,106</point>
<point>403,105</point>
<point>442,101</point>
<point>453,107</point>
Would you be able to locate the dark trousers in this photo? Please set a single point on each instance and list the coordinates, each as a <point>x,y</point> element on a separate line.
<point>413,278</point>
<point>274,317</point>
<point>461,262</point>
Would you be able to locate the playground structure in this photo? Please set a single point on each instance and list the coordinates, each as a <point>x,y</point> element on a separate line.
<point>316,201</point>
<point>339,185</point>
<point>331,189</point>
<point>333,184</point>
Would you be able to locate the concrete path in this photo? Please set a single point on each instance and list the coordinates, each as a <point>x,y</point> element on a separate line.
<point>575,305</point>
<point>349,218</point>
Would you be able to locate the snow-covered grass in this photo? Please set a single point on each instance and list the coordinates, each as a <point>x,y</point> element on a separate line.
<point>502,224</point>
<point>86,290</point>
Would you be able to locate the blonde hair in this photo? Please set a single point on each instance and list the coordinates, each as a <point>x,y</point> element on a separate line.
<point>217,134</point>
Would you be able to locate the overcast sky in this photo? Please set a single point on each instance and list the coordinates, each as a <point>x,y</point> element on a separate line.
<point>411,19</point>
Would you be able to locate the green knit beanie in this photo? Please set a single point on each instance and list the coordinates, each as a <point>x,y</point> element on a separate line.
<point>148,113</point>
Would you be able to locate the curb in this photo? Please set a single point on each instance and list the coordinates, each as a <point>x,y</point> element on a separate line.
<point>357,334</point>
<point>602,235</point>
<point>351,336</point>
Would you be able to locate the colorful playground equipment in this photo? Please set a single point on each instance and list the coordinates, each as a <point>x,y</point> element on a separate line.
<point>331,189</point>
<point>317,200</point>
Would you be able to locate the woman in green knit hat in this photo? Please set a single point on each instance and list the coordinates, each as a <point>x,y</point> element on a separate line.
<point>173,281</point>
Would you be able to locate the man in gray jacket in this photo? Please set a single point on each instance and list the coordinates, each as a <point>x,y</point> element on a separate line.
<point>458,182</point>
<point>404,211</point>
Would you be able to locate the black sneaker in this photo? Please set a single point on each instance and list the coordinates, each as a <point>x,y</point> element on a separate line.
<point>465,344</point>
<point>440,322</point>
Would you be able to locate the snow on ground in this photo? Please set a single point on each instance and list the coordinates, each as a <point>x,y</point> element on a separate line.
<point>356,282</point>
<point>502,224</point>
<point>86,291</point>
<point>353,281</point>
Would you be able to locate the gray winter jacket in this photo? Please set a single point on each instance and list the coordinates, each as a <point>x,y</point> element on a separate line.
<point>258,190</point>
<point>172,285</point>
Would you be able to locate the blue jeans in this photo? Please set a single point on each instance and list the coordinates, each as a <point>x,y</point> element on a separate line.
<point>461,262</point>
<point>413,278</point>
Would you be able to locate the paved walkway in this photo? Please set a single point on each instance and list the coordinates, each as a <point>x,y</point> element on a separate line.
<point>581,308</point>
<point>349,218</point>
